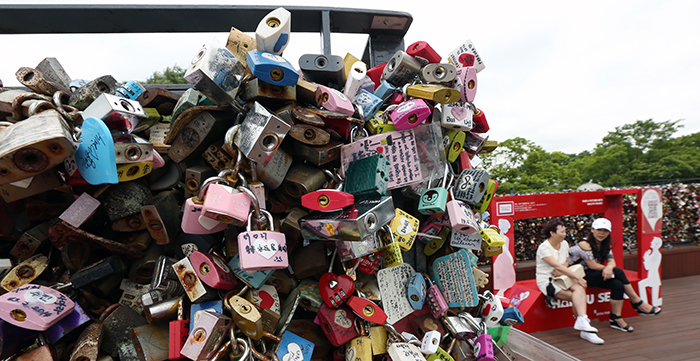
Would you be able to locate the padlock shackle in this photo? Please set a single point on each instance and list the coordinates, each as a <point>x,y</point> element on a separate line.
<point>255,202</point>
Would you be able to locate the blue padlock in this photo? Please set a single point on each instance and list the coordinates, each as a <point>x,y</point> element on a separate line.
<point>272,68</point>
<point>511,316</point>
<point>385,90</point>
<point>416,291</point>
<point>131,90</point>
<point>369,103</point>
<point>293,347</point>
<point>216,305</point>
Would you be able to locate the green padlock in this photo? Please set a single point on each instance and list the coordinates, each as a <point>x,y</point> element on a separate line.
<point>367,177</point>
<point>453,142</point>
<point>434,200</point>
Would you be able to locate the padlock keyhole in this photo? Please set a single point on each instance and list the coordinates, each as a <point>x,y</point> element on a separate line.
<point>269,142</point>
<point>323,200</point>
<point>412,118</point>
<point>440,72</point>
<point>18,315</point>
<point>273,22</point>
<point>200,335</point>
<point>471,84</point>
<point>133,153</point>
<point>204,268</point>
<point>276,74</point>
<point>25,272</point>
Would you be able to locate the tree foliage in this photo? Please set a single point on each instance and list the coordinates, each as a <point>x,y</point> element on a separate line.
<point>171,75</point>
<point>629,155</point>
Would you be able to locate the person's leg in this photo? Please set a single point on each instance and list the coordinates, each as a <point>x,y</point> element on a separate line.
<point>577,296</point>
<point>629,291</point>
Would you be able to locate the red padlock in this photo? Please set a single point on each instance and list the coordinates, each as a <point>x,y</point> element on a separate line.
<point>480,123</point>
<point>179,331</point>
<point>338,324</point>
<point>335,289</point>
<point>370,263</point>
<point>213,271</point>
<point>376,74</point>
<point>424,50</point>
<point>367,310</point>
<point>327,200</point>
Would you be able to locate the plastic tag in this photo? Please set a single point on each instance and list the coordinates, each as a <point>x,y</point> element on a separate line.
<point>95,156</point>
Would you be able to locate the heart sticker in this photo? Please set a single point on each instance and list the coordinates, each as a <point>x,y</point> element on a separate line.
<point>350,354</point>
<point>466,59</point>
<point>95,157</point>
<point>266,301</point>
<point>459,113</point>
<point>651,207</point>
<point>341,319</point>
<point>524,295</point>
<point>430,324</point>
<point>293,353</point>
<point>266,248</point>
<point>38,296</point>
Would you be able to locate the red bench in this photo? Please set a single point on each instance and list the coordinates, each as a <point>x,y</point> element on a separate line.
<point>538,317</point>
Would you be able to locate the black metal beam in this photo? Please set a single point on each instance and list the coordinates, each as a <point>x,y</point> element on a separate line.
<point>73,19</point>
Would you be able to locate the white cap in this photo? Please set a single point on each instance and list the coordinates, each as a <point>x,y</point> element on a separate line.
<point>602,223</point>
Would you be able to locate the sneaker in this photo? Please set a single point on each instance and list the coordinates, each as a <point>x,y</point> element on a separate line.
<point>584,324</point>
<point>592,338</point>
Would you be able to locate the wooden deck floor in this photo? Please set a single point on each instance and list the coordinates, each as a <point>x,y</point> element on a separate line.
<point>672,335</point>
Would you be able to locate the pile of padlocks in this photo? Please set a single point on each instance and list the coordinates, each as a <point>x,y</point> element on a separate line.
<point>263,222</point>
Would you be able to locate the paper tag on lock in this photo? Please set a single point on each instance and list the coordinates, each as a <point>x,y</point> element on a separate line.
<point>393,285</point>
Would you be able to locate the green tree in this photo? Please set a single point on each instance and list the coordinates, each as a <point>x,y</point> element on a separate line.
<point>171,75</point>
<point>521,164</point>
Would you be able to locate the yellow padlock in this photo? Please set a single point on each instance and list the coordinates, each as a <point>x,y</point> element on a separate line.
<point>405,228</point>
<point>437,93</point>
<point>130,171</point>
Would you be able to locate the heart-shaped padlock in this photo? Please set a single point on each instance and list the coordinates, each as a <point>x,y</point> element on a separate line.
<point>335,289</point>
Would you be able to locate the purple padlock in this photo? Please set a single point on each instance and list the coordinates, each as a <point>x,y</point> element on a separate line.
<point>262,250</point>
<point>410,113</point>
<point>334,100</point>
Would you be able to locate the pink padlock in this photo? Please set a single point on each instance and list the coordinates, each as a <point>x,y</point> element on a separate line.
<point>410,113</point>
<point>34,307</point>
<point>262,250</point>
<point>434,299</point>
<point>192,220</point>
<point>334,100</point>
<point>226,204</point>
<point>461,217</point>
<point>465,82</point>
<point>213,271</point>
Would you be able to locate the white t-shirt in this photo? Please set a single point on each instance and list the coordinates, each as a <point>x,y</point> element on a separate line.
<point>543,270</point>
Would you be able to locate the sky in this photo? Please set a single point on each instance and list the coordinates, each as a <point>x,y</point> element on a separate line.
<point>561,74</point>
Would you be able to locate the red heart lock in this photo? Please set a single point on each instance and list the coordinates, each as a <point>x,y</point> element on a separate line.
<point>466,59</point>
<point>266,300</point>
<point>335,289</point>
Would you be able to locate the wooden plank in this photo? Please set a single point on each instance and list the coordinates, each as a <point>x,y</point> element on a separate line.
<point>670,335</point>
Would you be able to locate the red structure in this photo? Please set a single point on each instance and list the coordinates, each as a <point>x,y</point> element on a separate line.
<point>526,296</point>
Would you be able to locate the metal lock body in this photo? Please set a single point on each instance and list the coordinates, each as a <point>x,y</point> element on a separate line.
<point>118,321</point>
<point>466,55</point>
<point>309,134</point>
<point>369,103</point>
<point>30,241</point>
<point>474,143</point>
<point>119,114</point>
<point>391,252</point>
<point>302,179</point>
<point>434,92</point>
<point>350,250</point>
<point>359,349</point>
<point>480,123</point>
<point>164,278</point>
<point>350,224</point>
<point>457,116</point>
<point>260,134</point>
<point>471,186</point>
<point>323,69</point>
<point>34,307</point>
<point>319,154</point>
<point>212,270</point>
<point>334,100</point>
<point>53,71</point>
<point>36,81</point>
<point>86,94</point>
<point>97,271</point>
<point>246,316</point>
<point>197,135</point>
<point>400,69</point>
<point>327,200</point>
<point>162,218</point>
<point>239,43</point>
<point>208,330</point>
<point>217,158</point>
<point>34,145</point>
<point>367,177</point>
<point>262,250</point>
<point>379,124</point>
<point>131,90</point>
<point>461,217</point>
<point>308,294</point>
<point>405,228</point>
<point>226,204</point>
<point>356,74</point>
<point>465,82</point>
<point>409,114</point>
<point>162,100</point>
<point>438,73</point>
<point>385,90</point>
<point>195,177</point>
<point>424,50</point>
<point>453,140</point>
<point>258,90</point>
<point>216,73</point>
<point>310,260</point>
<point>272,68</point>
<point>25,272</point>
<point>272,32</point>
<point>150,341</point>
<point>485,201</point>
<point>290,226</point>
<point>87,347</point>
<point>131,149</point>
<point>416,291</point>
<point>337,324</point>
<point>194,287</point>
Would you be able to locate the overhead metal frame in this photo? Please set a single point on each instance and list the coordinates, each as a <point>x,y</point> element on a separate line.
<point>386,29</point>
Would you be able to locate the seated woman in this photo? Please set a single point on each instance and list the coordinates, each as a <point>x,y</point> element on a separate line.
<point>552,261</point>
<point>591,254</point>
